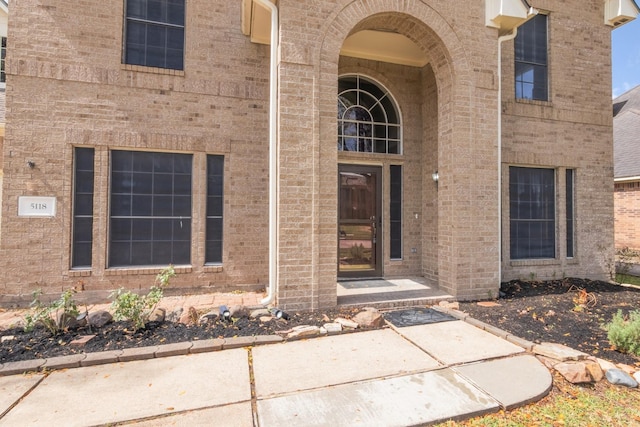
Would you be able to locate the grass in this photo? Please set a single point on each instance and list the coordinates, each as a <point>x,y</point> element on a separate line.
<point>600,405</point>
<point>628,279</point>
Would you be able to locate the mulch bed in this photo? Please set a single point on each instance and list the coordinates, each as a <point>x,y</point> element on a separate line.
<point>535,311</point>
<point>550,311</point>
<point>119,335</point>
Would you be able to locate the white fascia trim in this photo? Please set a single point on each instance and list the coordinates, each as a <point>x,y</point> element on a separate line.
<point>627,179</point>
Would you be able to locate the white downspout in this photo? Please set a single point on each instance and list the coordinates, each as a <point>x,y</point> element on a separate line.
<point>530,14</point>
<point>501,39</point>
<point>273,155</point>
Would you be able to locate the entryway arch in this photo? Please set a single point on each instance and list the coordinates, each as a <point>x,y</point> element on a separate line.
<point>443,85</point>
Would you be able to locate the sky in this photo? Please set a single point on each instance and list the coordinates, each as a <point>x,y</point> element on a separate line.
<point>626,57</point>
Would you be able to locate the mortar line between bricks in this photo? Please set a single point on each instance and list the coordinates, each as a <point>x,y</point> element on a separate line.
<point>27,393</point>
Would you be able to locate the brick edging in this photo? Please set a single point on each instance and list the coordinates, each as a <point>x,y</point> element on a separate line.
<point>134,353</point>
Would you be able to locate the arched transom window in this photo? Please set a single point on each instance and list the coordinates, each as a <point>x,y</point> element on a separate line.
<point>368,120</point>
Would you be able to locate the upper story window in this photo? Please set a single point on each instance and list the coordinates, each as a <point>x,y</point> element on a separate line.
<point>155,33</point>
<point>3,57</point>
<point>368,120</point>
<point>531,60</point>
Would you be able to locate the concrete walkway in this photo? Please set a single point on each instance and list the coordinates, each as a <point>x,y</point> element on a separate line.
<point>390,377</point>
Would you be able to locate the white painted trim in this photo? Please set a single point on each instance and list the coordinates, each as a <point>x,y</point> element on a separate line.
<point>627,179</point>
<point>273,155</point>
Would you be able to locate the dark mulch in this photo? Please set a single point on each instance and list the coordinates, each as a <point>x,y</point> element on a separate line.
<point>546,311</point>
<point>536,311</point>
<point>119,335</point>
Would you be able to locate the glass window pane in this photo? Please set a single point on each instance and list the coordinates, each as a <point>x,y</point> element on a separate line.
<point>532,212</point>
<point>150,192</point>
<point>531,52</point>
<point>84,204</point>
<point>361,103</point>
<point>142,205</point>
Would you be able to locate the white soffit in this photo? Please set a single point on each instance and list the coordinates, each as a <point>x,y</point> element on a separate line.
<point>505,14</point>
<point>384,46</point>
<point>619,12</point>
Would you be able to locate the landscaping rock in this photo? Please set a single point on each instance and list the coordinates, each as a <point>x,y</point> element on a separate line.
<point>488,304</point>
<point>67,320</point>
<point>189,317</point>
<point>208,317</point>
<point>620,377</point>
<point>455,305</point>
<point>265,319</point>
<point>81,340</point>
<point>255,314</point>
<point>239,312</point>
<point>594,370</point>
<point>547,361</point>
<point>157,315</point>
<point>559,352</point>
<point>100,318</point>
<point>346,323</point>
<point>175,315</point>
<point>303,331</point>
<point>636,376</point>
<point>574,372</point>
<point>605,365</point>
<point>628,369</point>
<point>332,328</point>
<point>369,318</point>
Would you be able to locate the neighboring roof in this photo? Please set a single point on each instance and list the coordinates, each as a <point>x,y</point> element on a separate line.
<point>626,134</point>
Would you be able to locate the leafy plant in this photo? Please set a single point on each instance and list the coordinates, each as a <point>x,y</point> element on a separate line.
<point>55,316</point>
<point>137,308</point>
<point>624,333</point>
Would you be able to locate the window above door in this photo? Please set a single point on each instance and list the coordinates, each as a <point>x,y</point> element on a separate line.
<point>368,118</point>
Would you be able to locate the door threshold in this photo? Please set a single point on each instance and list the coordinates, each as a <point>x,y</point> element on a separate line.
<point>353,279</point>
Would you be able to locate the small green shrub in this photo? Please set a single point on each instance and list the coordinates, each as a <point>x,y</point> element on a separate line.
<point>56,316</point>
<point>624,333</point>
<point>137,308</point>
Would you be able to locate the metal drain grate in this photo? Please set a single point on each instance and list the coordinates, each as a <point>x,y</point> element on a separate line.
<point>416,316</point>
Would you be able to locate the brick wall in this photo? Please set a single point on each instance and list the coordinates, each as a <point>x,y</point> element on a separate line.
<point>627,215</point>
<point>67,87</point>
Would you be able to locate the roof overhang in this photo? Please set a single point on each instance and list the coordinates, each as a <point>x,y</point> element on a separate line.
<point>506,14</point>
<point>256,21</point>
<point>384,46</point>
<point>368,44</point>
<point>620,12</point>
<point>626,179</point>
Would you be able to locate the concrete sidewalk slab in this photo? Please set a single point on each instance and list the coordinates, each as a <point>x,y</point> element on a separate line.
<point>236,415</point>
<point>304,365</point>
<point>458,342</point>
<point>401,401</point>
<point>513,381</point>
<point>14,387</point>
<point>118,392</point>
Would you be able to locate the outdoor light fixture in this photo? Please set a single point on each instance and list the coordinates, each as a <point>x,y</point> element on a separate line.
<point>225,314</point>
<point>31,164</point>
<point>435,176</point>
<point>279,314</point>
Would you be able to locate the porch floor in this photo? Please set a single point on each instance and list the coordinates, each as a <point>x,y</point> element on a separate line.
<point>389,293</point>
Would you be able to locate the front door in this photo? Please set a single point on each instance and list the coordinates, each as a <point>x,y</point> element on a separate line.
<point>359,221</point>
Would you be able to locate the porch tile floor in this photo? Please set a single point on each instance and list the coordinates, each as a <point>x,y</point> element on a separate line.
<point>389,293</point>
